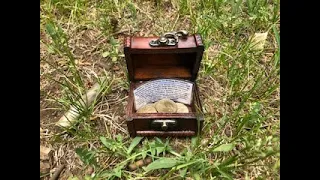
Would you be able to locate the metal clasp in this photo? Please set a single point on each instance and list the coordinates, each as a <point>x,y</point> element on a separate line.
<point>163,124</point>
<point>169,39</point>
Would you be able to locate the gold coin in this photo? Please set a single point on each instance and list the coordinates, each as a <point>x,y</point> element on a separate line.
<point>148,108</point>
<point>139,163</point>
<point>148,160</point>
<point>132,167</point>
<point>166,106</point>
<point>181,108</point>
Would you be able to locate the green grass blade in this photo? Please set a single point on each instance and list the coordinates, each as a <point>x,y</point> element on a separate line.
<point>133,144</point>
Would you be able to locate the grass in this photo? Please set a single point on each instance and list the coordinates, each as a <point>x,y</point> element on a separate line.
<point>81,43</point>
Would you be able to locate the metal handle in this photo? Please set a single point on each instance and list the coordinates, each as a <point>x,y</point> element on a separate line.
<point>163,124</point>
<point>166,133</point>
<point>169,39</point>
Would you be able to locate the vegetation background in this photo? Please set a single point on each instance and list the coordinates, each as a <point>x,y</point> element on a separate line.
<point>81,44</point>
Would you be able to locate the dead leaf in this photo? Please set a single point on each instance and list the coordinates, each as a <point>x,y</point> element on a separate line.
<point>45,153</point>
<point>259,40</point>
<point>44,167</point>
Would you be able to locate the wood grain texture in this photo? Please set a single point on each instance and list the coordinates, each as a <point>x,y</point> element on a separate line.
<point>145,62</point>
<point>148,63</point>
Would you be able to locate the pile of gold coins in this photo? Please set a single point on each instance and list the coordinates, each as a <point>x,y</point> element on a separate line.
<point>164,106</point>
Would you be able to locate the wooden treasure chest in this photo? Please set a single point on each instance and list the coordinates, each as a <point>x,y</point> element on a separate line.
<point>160,68</point>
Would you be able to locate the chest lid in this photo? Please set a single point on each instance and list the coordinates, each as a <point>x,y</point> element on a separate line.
<point>173,55</point>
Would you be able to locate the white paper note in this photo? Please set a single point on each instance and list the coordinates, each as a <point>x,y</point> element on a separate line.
<point>176,90</point>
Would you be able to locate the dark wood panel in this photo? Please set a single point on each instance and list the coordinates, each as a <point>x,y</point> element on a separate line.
<point>153,72</point>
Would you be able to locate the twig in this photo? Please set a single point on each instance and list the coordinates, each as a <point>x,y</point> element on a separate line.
<point>57,172</point>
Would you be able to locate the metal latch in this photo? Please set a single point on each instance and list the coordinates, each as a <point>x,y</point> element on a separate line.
<point>163,124</point>
<point>169,39</point>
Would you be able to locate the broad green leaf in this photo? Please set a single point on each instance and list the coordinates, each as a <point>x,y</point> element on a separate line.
<point>158,140</point>
<point>160,150</point>
<point>152,144</point>
<point>224,148</point>
<point>183,172</point>
<point>161,164</point>
<point>194,142</point>
<point>105,54</point>
<point>196,176</point>
<point>50,29</point>
<point>144,154</point>
<point>113,41</point>
<point>117,173</point>
<point>134,143</point>
<point>187,164</point>
<point>153,151</point>
<point>105,142</point>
